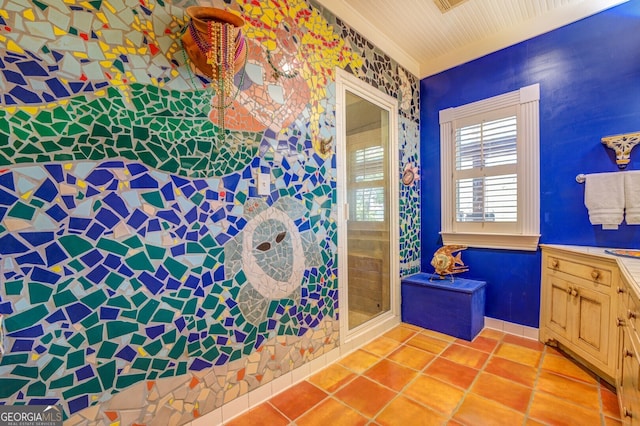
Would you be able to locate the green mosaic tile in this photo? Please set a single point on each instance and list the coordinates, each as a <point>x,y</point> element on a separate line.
<point>37,389</point>
<point>127,380</point>
<point>64,298</point>
<point>75,245</point>
<point>14,288</point>
<point>153,348</point>
<point>119,302</point>
<point>141,364</point>
<point>95,299</point>
<point>107,350</point>
<point>95,334</point>
<point>10,386</point>
<point>114,280</point>
<point>21,210</point>
<point>178,348</point>
<point>139,299</point>
<point>77,265</point>
<point>87,387</point>
<point>120,328</point>
<point>145,313</point>
<point>23,371</point>
<point>113,246</point>
<point>155,252</point>
<point>77,340</point>
<point>175,268</point>
<point>190,307</point>
<point>164,316</point>
<point>58,350</point>
<point>174,303</point>
<point>11,359</point>
<point>62,382</point>
<point>140,262</point>
<point>107,374</point>
<point>25,319</point>
<point>90,321</point>
<point>194,248</point>
<point>154,198</point>
<point>138,339</point>
<point>51,368</point>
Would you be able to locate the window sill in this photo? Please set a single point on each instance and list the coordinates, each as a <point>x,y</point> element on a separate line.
<point>494,241</point>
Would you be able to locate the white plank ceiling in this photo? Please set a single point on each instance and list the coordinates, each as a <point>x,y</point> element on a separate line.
<point>426,41</point>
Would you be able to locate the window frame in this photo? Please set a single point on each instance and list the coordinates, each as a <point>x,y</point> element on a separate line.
<point>525,234</point>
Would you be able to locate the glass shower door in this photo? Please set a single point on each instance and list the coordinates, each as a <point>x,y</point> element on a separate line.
<point>368,224</point>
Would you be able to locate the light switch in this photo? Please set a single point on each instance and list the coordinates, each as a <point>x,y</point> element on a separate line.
<point>264,183</point>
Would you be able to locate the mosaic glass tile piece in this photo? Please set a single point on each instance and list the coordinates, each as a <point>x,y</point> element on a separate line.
<point>143,276</point>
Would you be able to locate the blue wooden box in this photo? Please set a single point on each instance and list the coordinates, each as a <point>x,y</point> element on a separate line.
<point>451,307</point>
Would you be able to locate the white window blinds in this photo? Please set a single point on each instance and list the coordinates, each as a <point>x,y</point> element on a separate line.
<point>485,172</point>
<point>368,193</point>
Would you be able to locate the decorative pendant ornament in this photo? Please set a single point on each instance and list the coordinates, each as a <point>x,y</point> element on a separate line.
<point>410,174</point>
<point>622,145</point>
<point>215,44</point>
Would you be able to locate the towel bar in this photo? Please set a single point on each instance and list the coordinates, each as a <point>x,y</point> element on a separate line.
<point>581,178</point>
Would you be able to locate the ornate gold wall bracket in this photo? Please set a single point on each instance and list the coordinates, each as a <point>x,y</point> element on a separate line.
<point>622,145</point>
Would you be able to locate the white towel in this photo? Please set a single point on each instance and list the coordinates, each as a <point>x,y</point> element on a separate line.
<point>632,197</point>
<point>604,197</point>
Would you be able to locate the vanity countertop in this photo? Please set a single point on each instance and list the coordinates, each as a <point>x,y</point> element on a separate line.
<point>629,267</point>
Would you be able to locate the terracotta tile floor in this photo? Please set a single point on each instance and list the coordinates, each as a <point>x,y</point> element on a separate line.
<point>413,376</point>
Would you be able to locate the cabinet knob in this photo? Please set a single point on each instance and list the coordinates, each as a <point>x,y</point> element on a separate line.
<point>628,353</point>
<point>626,412</point>
<point>569,289</point>
<point>574,292</point>
<point>631,314</point>
<point>595,274</point>
<point>555,263</point>
<point>619,322</point>
<point>620,290</point>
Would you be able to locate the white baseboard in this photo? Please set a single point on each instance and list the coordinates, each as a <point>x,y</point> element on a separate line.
<point>512,328</point>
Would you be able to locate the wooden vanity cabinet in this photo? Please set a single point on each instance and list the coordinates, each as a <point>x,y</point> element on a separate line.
<point>628,371</point>
<point>578,307</point>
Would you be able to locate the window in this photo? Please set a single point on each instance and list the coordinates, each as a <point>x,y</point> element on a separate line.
<point>367,174</point>
<point>490,172</point>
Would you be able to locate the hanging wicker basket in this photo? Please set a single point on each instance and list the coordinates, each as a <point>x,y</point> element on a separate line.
<point>197,47</point>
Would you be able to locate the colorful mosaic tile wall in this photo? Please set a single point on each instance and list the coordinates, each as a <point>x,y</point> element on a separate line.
<point>143,279</point>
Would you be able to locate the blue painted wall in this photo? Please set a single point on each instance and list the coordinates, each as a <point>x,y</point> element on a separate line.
<point>589,75</point>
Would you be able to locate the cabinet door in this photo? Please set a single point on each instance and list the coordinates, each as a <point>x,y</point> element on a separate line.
<point>628,387</point>
<point>591,324</point>
<point>558,303</point>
